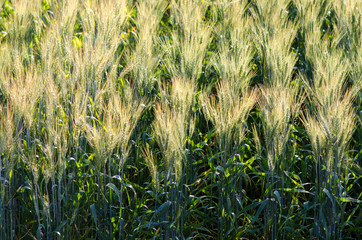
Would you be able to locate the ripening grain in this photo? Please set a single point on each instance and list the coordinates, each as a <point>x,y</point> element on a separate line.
<point>180,119</point>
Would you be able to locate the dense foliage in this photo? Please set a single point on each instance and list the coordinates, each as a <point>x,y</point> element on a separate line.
<point>180,119</point>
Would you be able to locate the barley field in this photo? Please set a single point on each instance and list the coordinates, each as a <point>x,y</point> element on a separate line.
<point>180,119</point>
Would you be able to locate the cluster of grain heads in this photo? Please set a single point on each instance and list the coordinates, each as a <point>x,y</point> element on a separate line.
<point>356,68</point>
<point>57,58</point>
<point>111,126</point>
<point>102,22</point>
<point>35,98</point>
<point>349,23</point>
<point>152,167</point>
<point>7,162</point>
<point>311,13</point>
<point>329,127</point>
<point>229,109</point>
<point>96,50</point>
<point>24,87</point>
<point>349,20</point>
<point>146,56</point>
<point>228,112</point>
<point>65,16</point>
<point>234,57</point>
<point>275,34</point>
<point>173,125</point>
<point>23,23</point>
<point>43,84</point>
<point>311,16</point>
<point>274,42</point>
<point>7,130</point>
<point>185,51</point>
<point>55,137</point>
<point>356,75</point>
<point>54,147</point>
<point>277,108</point>
<point>329,80</point>
<point>110,129</point>
<point>330,130</point>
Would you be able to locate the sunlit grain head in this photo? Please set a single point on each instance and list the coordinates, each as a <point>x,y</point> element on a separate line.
<point>24,87</point>
<point>174,123</point>
<point>228,111</point>
<point>233,61</point>
<point>146,57</point>
<point>152,166</point>
<point>114,127</point>
<point>185,51</point>
<point>330,131</point>
<point>278,106</point>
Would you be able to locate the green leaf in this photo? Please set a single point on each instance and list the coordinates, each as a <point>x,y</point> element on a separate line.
<point>161,209</point>
<point>262,206</point>
<point>349,199</point>
<point>276,193</point>
<point>94,213</point>
<point>114,188</point>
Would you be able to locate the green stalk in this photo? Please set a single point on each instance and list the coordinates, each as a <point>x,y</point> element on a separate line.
<point>59,200</point>
<point>11,212</point>
<point>121,208</point>
<point>48,214</point>
<point>2,201</point>
<point>36,204</point>
<point>110,197</point>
